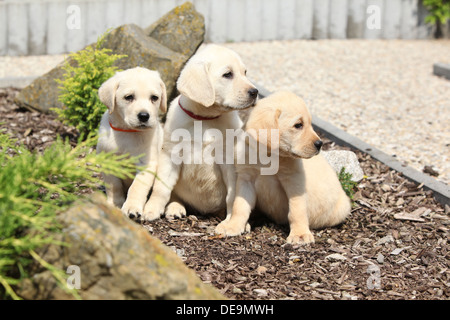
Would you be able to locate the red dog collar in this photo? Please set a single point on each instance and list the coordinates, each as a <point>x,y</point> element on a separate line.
<point>122,130</point>
<point>193,115</point>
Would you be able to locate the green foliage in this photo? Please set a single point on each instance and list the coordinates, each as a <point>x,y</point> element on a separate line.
<point>82,106</point>
<point>34,188</point>
<point>347,184</point>
<point>439,11</point>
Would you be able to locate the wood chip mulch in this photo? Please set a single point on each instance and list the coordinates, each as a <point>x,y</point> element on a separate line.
<point>393,246</point>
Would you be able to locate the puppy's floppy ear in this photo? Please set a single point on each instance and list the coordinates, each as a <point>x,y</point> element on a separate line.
<point>163,103</point>
<point>262,126</point>
<point>107,93</point>
<point>195,83</point>
<point>264,118</point>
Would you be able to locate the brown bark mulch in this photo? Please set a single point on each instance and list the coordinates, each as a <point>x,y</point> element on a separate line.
<point>393,246</point>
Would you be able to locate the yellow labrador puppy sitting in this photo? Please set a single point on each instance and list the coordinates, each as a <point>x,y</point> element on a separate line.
<point>305,192</point>
<point>213,86</point>
<point>131,126</point>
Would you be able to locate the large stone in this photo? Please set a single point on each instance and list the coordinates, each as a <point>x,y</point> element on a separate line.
<point>339,159</point>
<point>165,46</point>
<point>146,52</point>
<point>117,259</point>
<point>42,93</point>
<point>181,30</point>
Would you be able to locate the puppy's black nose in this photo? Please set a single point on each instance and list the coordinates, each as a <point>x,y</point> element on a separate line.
<point>318,144</point>
<point>253,93</point>
<point>143,116</point>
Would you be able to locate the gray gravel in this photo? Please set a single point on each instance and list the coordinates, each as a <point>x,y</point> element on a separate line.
<point>383,92</point>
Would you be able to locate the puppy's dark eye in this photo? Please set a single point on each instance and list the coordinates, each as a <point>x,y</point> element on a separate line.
<point>245,72</point>
<point>129,97</point>
<point>154,98</point>
<point>228,75</point>
<point>298,125</point>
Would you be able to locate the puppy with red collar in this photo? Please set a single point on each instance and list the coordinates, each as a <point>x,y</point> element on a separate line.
<point>131,126</point>
<point>213,86</point>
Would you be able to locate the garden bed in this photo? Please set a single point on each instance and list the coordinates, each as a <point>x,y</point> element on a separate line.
<point>393,246</point>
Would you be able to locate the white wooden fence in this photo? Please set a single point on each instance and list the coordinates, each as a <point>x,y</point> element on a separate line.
<point>33,27</point>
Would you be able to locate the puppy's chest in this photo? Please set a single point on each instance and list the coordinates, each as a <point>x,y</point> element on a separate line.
<point>132,144</point>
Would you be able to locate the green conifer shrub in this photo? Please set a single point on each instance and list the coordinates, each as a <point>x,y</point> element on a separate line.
<point>34,188</point>
<point>82,107</point>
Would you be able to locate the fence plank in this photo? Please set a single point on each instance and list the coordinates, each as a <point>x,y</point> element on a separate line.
<point>96,20</point>
<point>408,27</point>
<point>149,12</point>
<point>356,20</point>
<point>114,14</point>
<point>3,29</point>
<point>337,28</point>
<point>286,25</point>
<point>320,24</point>
<point>37,28</point>
<point>166,5</point>
<point>304,12</point>
<point>253,28</point>
<point>374,19</point>
<point>132,12</point>
<point>56,27</point>
<point>76,32</point>
<point>269,19</point>
<point>392,19</point>
<point>17,29</point>
<point>424,30</point>
<point>236,20</point>
<point>218,20</point>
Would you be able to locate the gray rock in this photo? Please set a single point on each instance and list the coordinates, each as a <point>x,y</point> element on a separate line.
<point>165,46</point>
<point>42,93</point>
<point>146,52</point>
<point>117,259</point>
<point>181,30</point>
<point>339,159</point>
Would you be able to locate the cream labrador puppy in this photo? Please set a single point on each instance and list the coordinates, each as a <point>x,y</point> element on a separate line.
<point>131,126</point>
<point>305,192</point>
<point>213,86</point>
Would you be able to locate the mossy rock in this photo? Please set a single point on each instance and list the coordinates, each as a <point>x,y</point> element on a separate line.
<point>117,258</point>
<point>181,30</point>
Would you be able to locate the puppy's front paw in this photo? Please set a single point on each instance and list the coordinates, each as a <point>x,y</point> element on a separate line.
<point>229,228</point>
<point>131,210</point>
<point>175,210</point>
<point>152,212</point>
<point>304,238</point>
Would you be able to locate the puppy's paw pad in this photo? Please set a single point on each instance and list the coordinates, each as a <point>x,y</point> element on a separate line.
<point>152,212</point>
<point>150,216</point>
<point>131,211</point>
<point>175,210</point>
<point>305,238</point>
<point>230,229</point>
